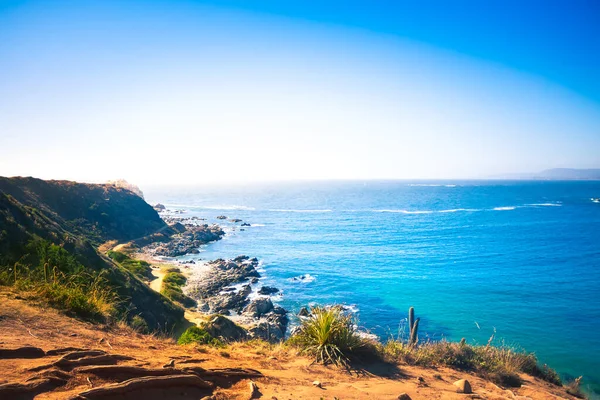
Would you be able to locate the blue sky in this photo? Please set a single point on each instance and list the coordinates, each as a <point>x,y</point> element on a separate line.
<point>182,91</point>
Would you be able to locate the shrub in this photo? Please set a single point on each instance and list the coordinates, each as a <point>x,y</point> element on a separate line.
<point>197,335</point>
<point>328,335</point>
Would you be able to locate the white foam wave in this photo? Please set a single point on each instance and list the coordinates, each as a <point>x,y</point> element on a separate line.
<point>459,209</point>
<point>544,205</point>
<point>306,278</point>
<point>509,208</point>
<point>299,211</point>
<point>430,185</point>
<point>595,200</point>
<point>251,225</point>
<point>405,211</point>
<point>225,207</point>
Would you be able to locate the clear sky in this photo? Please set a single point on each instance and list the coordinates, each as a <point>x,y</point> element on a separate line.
<point>193,92</point>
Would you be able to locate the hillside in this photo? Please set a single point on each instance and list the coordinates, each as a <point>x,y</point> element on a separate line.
<point>58,225</point>
<point>71,358</point>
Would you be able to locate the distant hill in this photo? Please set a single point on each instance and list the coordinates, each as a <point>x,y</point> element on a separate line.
<point>570,174</point>
<point>79,217</point>
<point>557,174</point>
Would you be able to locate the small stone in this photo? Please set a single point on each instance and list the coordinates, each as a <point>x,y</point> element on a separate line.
<point>404,396</point>
<point>317,384</point>
<point>304,312</point>
<point>73,334</point>
<point>463,386</point>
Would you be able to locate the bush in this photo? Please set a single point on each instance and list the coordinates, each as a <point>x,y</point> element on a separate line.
<point>328,335</point>
<point>197,335</point>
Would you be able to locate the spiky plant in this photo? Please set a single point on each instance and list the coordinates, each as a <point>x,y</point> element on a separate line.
<point>328,335</point>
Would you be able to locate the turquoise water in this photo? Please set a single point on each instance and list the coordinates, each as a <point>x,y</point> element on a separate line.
<point>520,260</point>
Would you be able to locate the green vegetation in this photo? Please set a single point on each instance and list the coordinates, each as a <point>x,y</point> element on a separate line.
<point>197,335</point>
<point>328,335</point>
<point>71,220</point>
<point>172,283</point>
<point>139,268</point>
<point>51,273</point>
<point>500,364</point>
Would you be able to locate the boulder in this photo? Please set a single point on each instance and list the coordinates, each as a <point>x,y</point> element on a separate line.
<point>463,386</point>
<point>159,207</point>
<point>259,307</point>
<point>221,217</point>
<point>235,220</point>
<point>246,224</point>
<point>303,312</point>
<point>225,329</point>
<point>404,396</point>
<point>266,290</point>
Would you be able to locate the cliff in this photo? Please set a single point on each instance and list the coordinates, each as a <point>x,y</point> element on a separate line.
<point>76,218</point>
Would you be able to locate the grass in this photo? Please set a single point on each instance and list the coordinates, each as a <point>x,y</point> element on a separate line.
<point>499,364</point>
<point>329,336</point>
<point>55,277</point>
<point>139,268</point>
<point>172,283</point>
<point>197,335</point>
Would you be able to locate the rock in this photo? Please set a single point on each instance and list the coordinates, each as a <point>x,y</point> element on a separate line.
<point>304,312</point>
<point>254,392</point>
<point>463,386</point>
<point>221,217</point>
<point>279,310</point>
<point>178,227</point>
<point>259,307</point>
<point>317,384</point>
<point>170,364</point>
<point>404,396</point>
<point>235,220</point>
<point>241,258</point>
<point>245,224</point>
<point>159,207</point>
<point>266,290</point>
<point>226,329</point>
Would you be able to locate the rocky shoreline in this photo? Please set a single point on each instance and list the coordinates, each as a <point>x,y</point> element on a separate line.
<point>228,288</point>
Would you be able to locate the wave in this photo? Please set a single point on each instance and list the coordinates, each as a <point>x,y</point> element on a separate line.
<point>299,211</point>
<point>509,208</point>
<point>595,200</point>
<point>404,211</point>
<point>459,209</point>
<point>430,185</point>
<point>544,205</point>
<point>226,207</point>
<point>306,278</point>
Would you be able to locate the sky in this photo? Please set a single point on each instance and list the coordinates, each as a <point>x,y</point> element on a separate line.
<point>179,92</point>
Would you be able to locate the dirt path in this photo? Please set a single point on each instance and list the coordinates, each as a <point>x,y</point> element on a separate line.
<point>156,284</point>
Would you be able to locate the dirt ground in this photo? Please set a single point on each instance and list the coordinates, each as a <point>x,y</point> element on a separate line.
<point>239,371</point>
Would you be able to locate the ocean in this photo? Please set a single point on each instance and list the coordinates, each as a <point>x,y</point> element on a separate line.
<point>514,259</point>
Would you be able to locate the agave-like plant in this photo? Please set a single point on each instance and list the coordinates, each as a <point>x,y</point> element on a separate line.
<point>329,335</point>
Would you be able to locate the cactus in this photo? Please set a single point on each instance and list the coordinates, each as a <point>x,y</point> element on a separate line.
<point>413,326</point>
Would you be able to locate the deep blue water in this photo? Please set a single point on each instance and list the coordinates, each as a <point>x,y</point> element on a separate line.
<point>520,260</point>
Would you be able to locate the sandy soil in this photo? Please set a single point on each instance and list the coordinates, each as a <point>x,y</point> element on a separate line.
<point>285,375</point>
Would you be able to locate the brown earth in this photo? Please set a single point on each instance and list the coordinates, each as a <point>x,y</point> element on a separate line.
<point>277,371</point>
